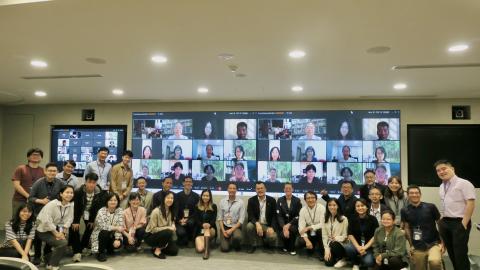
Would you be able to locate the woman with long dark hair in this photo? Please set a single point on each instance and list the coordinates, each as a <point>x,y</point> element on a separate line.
<point>205,218</point>
<point>395,198</point>
<point>161,228</point>
<point>19,233</point>
<point>334,234</point>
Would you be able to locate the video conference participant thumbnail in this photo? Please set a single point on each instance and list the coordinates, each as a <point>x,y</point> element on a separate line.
<point>309,129</point>
<point>274,129</point>
<point>381,129</point>
<point>240,129</point>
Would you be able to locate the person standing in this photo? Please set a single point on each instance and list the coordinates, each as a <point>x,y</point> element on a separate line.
<point>67,176</point>
<point>122,178</point>
<point>101,168</point>
<point>457,197</point>
<point>24,176</point>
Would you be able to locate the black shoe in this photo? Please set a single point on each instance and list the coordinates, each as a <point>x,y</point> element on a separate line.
<point>36,261</point>
<point>101,257</point>
<point>252,249</point>
<point>110,252</point>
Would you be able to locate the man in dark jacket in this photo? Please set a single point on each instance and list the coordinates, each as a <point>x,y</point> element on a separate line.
<point>346,199</point>
<point>88,198</point>
<point>288,209</point>
<point>262,218</point>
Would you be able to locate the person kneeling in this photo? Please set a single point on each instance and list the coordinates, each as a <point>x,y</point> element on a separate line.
<point>108,228</point>
<point>310,225</point>
<point>135,219</point>
<point>205,217</point>
<point>161,229</point>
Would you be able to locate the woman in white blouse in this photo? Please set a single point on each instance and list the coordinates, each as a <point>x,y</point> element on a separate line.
<point>108,228</point>
<point>334,234</point>
<point>53,223</point>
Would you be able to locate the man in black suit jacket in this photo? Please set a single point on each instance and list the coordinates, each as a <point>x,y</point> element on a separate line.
<point>262,218</point>
<point>288,209</point>
<point>369,176</point>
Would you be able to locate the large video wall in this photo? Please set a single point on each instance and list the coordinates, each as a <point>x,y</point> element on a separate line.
<point>312,149</point>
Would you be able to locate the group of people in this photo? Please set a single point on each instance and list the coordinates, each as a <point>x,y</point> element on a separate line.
<point>370,231</point>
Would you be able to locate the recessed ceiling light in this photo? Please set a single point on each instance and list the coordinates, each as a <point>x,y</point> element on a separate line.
<point>296,54</point>
<point>38,63</point>
<point>117,92</point>
<point>159,59</point>
<point>297,88</point>
<point>40,93</point>
<point>400,86</point>
<point>202,90</point>
<point>458,48</point>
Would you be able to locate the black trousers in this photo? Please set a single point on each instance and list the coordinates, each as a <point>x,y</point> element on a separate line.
<point>139,235</point>
<point>162,239</point>
<point>394,263</point>
<point>77,243</point>
<point>289,243</point>
<point>105,241</point>
<point>9,252</point>
<point>337,252</point>
<point>185,233</point>
<point>455,238</point>
<point>37,246</point>
<point>316,242</point>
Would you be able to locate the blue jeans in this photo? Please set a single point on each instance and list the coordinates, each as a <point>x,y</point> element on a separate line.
<point>366,260</point>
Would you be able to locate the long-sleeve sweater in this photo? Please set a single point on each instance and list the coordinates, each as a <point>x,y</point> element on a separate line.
<point>54,214</point>
<point>158,222</point>
<point>338,231</point>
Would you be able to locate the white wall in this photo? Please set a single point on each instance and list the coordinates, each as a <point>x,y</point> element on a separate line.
<point>412,112</point>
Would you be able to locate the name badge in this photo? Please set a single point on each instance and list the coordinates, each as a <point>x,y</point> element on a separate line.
<point>362,240</point>
<point>86,215</point>
<point>186,212</point>
<point>124,185</point>
<point>385,261</point>
<point>313,233</point>
<point>229,220</point>
<point>202,231</point>
<point>417,234</point>
<point>60,228</point>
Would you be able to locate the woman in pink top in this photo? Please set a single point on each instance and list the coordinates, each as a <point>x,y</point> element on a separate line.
<point>135,220</point>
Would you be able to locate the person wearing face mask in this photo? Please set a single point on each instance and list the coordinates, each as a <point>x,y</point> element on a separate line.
<point>86,196</point>
<point>389,245</point>
<point>135,220</point>
<point>186,200</point>
<point>53,223</point>
<point>395,198</point>
<point>19,234</point>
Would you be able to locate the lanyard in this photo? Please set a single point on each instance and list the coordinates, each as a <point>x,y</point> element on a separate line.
<point>111,218</point>
<point>134,216</point>
<point>100,172</point>
<point>310,214</point>
<point>62,214</point>
<point>332,219</point>
<point>230,207</point>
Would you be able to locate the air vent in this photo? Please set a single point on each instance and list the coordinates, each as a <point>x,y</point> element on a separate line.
<point>79,76</point>
<point>464,65</point>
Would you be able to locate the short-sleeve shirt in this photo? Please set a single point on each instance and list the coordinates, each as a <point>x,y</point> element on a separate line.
<point>453,195</point>
<point>21,235</point>
<point>422,217</point>
<point>27,176</point>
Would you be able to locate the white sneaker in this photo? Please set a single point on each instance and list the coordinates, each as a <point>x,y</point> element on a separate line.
<point>355,267</point>
<point>77,257</point>
<point>340,263</point>
<point>293,253</point>
<point>55,267</point>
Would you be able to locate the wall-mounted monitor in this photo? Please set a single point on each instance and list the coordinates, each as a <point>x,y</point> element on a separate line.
<point>216,148</point>
<point>81,144</point>
<point>428,143</point>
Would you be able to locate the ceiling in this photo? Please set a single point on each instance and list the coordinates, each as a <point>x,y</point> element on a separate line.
<point>259,33</point>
